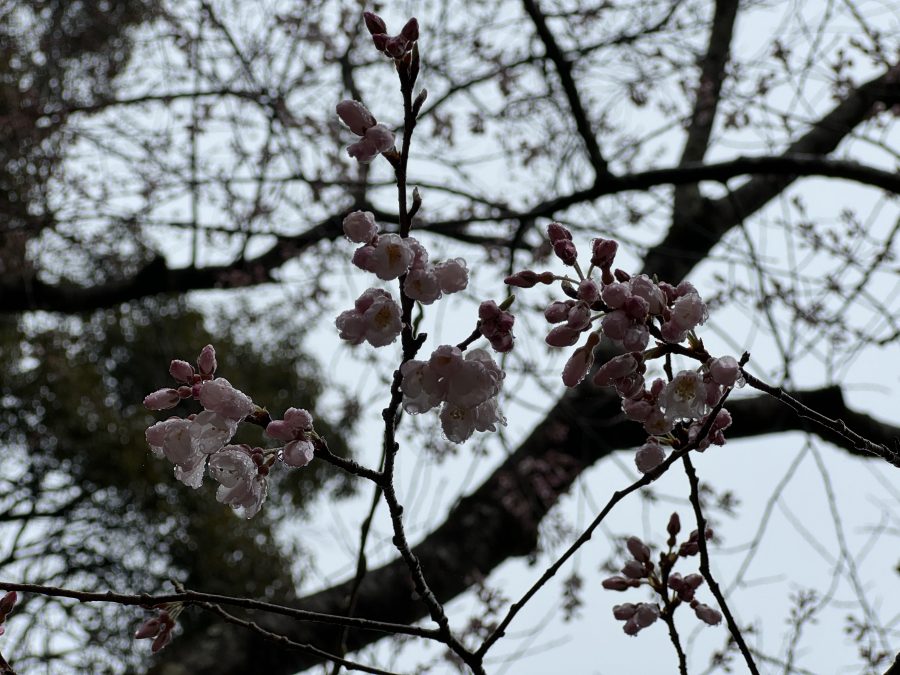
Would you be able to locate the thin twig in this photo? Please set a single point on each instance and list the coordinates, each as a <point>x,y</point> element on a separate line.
<point>707,572</point>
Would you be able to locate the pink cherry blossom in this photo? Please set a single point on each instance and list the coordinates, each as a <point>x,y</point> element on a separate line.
<point>391,257</point>
<point>420,387</point>
<point>422,284</point>
<point>360,227</point>
<point>375,318</point>
<point>240,485</point>
<point>452,275</point>
<point>364,256</point>
<point>685,396</point>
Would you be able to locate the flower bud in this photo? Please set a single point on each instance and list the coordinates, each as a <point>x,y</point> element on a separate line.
<point>603,252</point>
<point>674,526</point>
<point>565,250</point>
<point>617,584</point>
<point>374,23</point>
<point>646,614</point>
<point>558,311</point>
<point>633,570</point>
<point>523,279</point>
<point>588,292</point>
<point>206,362</point>
<point>410,31</point>
<point>708,615</point>
<point>162,399</point>
<point>7,603</point>
<point>638,549</point>
<point>649,456</point>
<point>355,115</point>
<point>182,371</point>
<point>624,612</point>
<point>562,336</point>
<point>557,232</point>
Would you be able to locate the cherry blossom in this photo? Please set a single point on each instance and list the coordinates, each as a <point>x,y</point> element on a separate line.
<point>376,138</point>
<point>241,484</point>
<point>159,627</point>
<point>375,319</point>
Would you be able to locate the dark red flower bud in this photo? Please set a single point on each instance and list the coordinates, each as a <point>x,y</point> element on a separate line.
<point>374,23</point>
<point>411,30</point>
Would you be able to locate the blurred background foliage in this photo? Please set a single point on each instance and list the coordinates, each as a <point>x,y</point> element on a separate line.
<point>83,503</point>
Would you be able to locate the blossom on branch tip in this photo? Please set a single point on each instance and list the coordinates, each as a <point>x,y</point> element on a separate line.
<point>649,456</point>
<point>206,362</point>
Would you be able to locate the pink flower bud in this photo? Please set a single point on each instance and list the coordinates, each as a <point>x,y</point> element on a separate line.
<point>638,549</point>
<point>624,612</point>
<point>588,292</point>
<point>676,583</point>
<point>615,325</point>
<point>206,362</point>
<point>674,526</point>
<point>523,279</point>
<point>182,371</point>
<point>603,252</point>
<point>616,584</point>
<point>707,614</point>
<point>580,362</point>
<point>565,250</point>
<point>649,456</point>
<point>646,614</point>
<point>488,310</point>
<point>616,369</point>
<point>374,23</point>
<point>162,399</point>
<point>615,295</point>
<point>633,570</point>
<point>502,343</point>
<point>562,336</point>
<point>693,581</point>
<point>355,115</point>
<point>557,232</point>
<point>558,311</point>
<point>360,227</point>
<point>631,627</point>
<point>725,370</point>
<point>579,316</point>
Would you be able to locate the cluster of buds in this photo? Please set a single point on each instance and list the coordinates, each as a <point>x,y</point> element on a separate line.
<point>628,311</point>
<point>7,602</point>
<point>496,323</point>
<point>199,443</point>
<point>672,588</point>
<point>465,388</point>
<point>159,627</point>
<point>396,46</point>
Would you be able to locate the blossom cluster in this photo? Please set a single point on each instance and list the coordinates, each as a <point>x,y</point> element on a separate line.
<point>199,443</point>
<point>465,388</point>
<point>376,138</point>
<point>673,588</point>
<point>376,316</point>
<point>628,310</point>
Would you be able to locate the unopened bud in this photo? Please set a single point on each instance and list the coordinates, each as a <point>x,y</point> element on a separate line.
<point>638,549</point>
<point>616,584</point>
<point>374,23</point>
<point>411,30</point>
